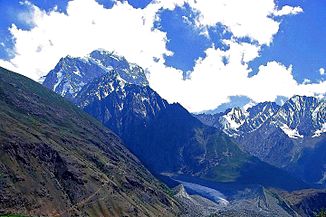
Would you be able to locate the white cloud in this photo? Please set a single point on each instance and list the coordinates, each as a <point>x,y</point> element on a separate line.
<point>272,80</point>
<point>288,10</point>
<point>130,32</point>
<point>321,71</point>
<point>250,18</point>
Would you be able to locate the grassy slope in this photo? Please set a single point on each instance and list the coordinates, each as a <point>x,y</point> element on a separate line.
<point>56,160</point>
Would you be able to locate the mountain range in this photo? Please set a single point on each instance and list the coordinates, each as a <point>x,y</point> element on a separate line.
<point>291,136</point>
<point>154,130</point>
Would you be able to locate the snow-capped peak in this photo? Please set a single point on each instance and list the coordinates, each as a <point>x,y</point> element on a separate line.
<point>297,114</point>
<point>72,73</point>
<point>232,120</point>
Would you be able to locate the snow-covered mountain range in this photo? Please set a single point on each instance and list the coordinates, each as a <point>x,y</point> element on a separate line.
<point>291,136</point>
<point>298,117</point>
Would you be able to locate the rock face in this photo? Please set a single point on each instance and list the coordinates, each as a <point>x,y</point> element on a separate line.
<point>166,137</point>
<point>286,136</point>
<point>55,160</point>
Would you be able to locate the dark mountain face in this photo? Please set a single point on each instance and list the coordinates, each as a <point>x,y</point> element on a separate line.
<point>167,138</point>
<point>291,136</point>
<point>57,161</point>
<point>311,163</point>
<point>121,106</point>
<point>257,115</point>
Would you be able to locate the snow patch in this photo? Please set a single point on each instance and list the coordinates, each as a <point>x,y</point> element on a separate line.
<point>292,133</point>
<point>143,99</point>
<point>59,77</point>
<point>120,106</point>
<point>77,72</point>
<point>41,79</point>
<point>234,119</point>
<point>322,180</point>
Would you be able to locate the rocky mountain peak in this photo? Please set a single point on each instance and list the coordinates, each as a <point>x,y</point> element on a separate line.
<point>232,119</point>
<point>72,73</point>
<point>295,117</point>
<point>130,72</point>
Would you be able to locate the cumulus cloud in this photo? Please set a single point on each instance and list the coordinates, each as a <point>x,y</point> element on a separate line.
<point>130,32</point>
<point>288,10</point>
<point>250,18</point>
<point>242,18</point>
<point>321,71</point>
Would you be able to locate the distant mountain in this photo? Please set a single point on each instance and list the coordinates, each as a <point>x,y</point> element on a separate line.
<point>55,160</point>
<point>286,136</point>
<point>166,137</point>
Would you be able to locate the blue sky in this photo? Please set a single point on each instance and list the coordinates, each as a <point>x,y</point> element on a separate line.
<point>300,41</point>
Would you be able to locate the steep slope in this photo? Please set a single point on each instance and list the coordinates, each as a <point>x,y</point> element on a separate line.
<point>167,138</point>
<point>121,106</point>
<point>57,161</point>
<point>310,164</point>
